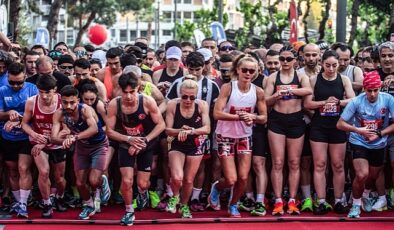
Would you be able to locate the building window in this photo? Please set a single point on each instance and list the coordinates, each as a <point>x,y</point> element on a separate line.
<point>187,1</point>
<point>133,34</point>
<point>123,36</point>
<point>113,33</point>
<point>70,37</point>
<point>167,32</point>
<point>143,33</point>
<point>178,1</point>
<point>187,15</point>
<point>197,2</point>
<point>167,16</point>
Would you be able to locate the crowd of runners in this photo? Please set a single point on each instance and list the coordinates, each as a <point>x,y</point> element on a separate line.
<point>287,128</point>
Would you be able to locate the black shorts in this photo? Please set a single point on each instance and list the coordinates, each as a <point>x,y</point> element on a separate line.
<point>375,157</point>
<point>306,149</point>
<point>144,159</point>
<point>203,148</point>
<point>56,155</point>
<point>260,141</point>
<point>327,135</point>
<point>14,148</point>
<point>291,125</point>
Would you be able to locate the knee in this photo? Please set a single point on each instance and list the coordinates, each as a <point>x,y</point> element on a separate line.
<point>320,167</point>
<point>23,169</point>
<point>277,165</point>
<point>80,183</point>
<point>95,182</point>
<point>230,181</point>
<point>177,179</point>
<point>143,184</point>
<point>242,179</point>
<point>337,167</point>
<point>44,174</point>
<point>294,165</point>
<point>127,182</point>
<point>362,175</point>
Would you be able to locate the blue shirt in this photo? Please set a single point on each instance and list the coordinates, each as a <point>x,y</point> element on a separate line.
<point>15,100</point>
<point>366,114</point>
<point>4,79</point>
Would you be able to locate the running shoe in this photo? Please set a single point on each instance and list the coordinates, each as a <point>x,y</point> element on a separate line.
<point>214,197</point>
<point>196,206</point>
<point>97,205</point>
<point>105,192</point>
<point>163,203</point>
<point>259,209</point>
<point>321,209</point>
<point>340,208</point>
<point>171,205</point>
<point>185,211</point>
<point>246,205</point>
<point>87,212</point>
<point>307,205</point>
<point>292,208</point>
<point>354,211</point>
<point>366,204</point>
<point>22,211</point>
<point>154,199</point>
<point>47,211</point>
<point>142,200</point>
<point>380,205</point>
<point>233,211</point>
<point>127,219</point>
<point>14,207</point>
<point>58,204</point>
<point>278,209</point>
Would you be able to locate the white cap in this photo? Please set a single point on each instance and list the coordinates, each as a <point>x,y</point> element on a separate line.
<point>132,69</point>
<point>207,53</point>
<point>174,52</point>
<point>100,54</point>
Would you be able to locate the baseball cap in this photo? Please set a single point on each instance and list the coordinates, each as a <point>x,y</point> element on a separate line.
<point>207,53</point>
<point>174,52</point>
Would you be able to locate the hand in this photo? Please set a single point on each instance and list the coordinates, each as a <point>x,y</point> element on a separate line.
<point>186,127</point>
<point>14,115</point>
<point>40,139</point>
<point>64,133</point>
<point>332,100</point>
<point>138,142</point>
<point>134,150</point>
<point>182,135</point>
<point>366,132</point>
<point>9,125</point>
<point>69,141</point>
<point>36,150</point>
<point>248,118</point>
<point>388,80</point>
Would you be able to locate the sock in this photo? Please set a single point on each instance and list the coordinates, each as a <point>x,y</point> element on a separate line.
<point>260,197</point>
<point>17,195</point>
<point>89,202</point>
<point>97,195</point>
<point>306,191</point>
<point>338,200</point>
<point>53,191</point>
<point>47,202</point>
<point>291,200</point>
<point>322,201</point>
<point>129,208</point>
<point>366,193</point>
<point>24,195</point>
<point>250,195</point>
<point>196,193</point>
<point>140,191</point>
<point>169,190</point>
<point>356,201</point>
<point>278,200</point>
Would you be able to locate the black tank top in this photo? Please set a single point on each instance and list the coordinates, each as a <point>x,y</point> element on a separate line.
<point>137,124</point>
<point>165,77</point>
<point>195,122</point>
<point>327,116</point>
<point>294,84</point>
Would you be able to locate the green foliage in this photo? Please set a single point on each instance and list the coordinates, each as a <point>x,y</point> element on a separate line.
<point>24,30</point>
<point>184,32</point>
<point>204,18</point>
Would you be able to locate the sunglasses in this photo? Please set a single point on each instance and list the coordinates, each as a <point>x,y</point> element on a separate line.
<point>66,67</point>
<point>368,59</point>
<point>245,70</point>
<point>227,48</point>
<point>224,71</point>
<point>15,82</point>
<point>288,59</point>
<point>185,97</point>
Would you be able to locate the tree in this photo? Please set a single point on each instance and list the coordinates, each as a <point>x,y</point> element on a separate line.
<point>204,18</point>
<point>184,31</point>
<point>304,18</point>
<point>15,8</point>
<point>353,23</point>
<point>53,19</point>
<point>325,17</point>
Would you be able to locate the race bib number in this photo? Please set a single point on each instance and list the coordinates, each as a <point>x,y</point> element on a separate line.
<point>134,131</point>
<point>237,110</point>
<point>372,124</point>
<point>330,110</point>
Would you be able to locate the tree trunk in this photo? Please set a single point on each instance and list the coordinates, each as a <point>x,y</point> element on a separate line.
<point>353,22</point>
<point>391,25</point>
<point>274,28</point>
<point>304,21</point>
<point>323,22</point>
<point>53,20</point>
<point>85,27</point>
<point>15,8</point>
<point>365,42</point>
<point>149,32</point>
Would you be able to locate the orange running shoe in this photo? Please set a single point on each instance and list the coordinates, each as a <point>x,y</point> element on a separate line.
<point>292,208</point>
<point>278,209</point>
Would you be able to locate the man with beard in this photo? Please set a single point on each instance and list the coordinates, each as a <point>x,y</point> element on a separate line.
<point>354,73</point>
<point>272,63</point>
<point>66,65</point>
<point>30,63</point>
<point>91,146</point>
<point>225,65</point>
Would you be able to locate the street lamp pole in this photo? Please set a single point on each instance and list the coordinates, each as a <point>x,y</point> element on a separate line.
<point>175,16</point>
<point>220,13</point>
<point>341,21</point>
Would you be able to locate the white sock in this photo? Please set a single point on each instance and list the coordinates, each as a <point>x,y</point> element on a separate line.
<point>356,201</point>
<point>260,197</point>
<point>250,195</point>
<point>169,190</point>
<point>17,195</point>
<point>306,191</point>
<point>196,193</point>
<point>278,200</point>
<point>129,208</point>
<point>89,202</point>
<point>97,195</point>
<point>338,200</point>
<point>322,201</point>
<point>291,200</point>
<point>366,193</point>
<point>24,195</point>
<point>47,202</point>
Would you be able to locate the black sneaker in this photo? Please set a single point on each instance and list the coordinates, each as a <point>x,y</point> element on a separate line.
<point>60,204</point>
<point>339,208</point>
<point>142,200</point>
<point>320,210</point>
<point>47,211</point>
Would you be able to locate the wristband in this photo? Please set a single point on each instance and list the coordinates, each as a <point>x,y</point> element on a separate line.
<point>129,139</point>
<point>379,133</point>
<point>193,131</point>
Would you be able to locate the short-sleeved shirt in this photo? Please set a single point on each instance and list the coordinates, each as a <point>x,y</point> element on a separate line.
<point>15,100</point>
<point>373,115</point>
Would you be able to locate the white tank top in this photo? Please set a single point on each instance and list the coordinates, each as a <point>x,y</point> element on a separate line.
<point>349,72</point>
<point>238,101</point>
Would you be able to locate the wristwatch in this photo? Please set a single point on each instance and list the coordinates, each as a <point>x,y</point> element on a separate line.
<point>379,133</point>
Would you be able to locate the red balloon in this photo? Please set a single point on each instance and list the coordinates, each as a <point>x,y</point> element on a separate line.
<point>97,34</point>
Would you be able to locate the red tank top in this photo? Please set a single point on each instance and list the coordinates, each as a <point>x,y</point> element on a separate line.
<point>42,122</point>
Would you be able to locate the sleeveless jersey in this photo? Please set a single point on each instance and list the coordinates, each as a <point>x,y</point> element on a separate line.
<point>165,77</point>
<point>294,84</point>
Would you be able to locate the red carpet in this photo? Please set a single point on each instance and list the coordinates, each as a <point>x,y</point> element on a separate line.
<point>112,215</point>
